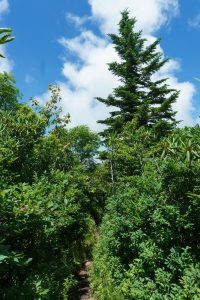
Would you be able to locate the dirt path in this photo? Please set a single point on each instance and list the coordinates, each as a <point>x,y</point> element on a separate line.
<point>84,290</point>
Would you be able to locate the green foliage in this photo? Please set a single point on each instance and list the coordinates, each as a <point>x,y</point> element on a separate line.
<point>84,143</point>
<point>43,231</point>
<point>46,201</point>
<point>5,37</point>
<point>185,144</point>
<point>144,186</point>
<point>150,242</point>
<point>140,97</point>
<point>51,111</point>
<point>9,94</point>
<point>20,129</point>
<point>126,152</point>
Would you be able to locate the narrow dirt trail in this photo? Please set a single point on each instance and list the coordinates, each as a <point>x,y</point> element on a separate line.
<point>84,290</point>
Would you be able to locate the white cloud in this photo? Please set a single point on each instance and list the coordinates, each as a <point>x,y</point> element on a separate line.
<point>82,108</point>
<point>4,7</point>
<point>195,22</point>
<point>91,74</point>
<point>76,20</point>
<point>170,67</point>
<point>184,104</point>
<point>6,65</point>
<point>29,79</point>
<point>150,14</point>
<point>87,79</point>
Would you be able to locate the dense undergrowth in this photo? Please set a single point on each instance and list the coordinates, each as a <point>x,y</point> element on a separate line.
<point>49,199</point>
<point>149,246</point>
<point>141,190</point>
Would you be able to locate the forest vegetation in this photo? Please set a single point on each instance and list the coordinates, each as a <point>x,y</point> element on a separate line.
<point>135,186</point>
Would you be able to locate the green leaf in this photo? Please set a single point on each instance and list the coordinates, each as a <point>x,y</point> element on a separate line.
<point>2,30</point>
<point>3,257</point>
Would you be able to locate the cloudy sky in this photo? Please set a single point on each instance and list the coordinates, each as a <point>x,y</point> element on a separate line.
<point>65,42</point>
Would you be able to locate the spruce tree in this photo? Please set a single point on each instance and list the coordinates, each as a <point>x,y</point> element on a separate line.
<point>139,96</point>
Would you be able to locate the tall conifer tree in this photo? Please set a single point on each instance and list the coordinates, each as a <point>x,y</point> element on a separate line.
<point>139,96</point>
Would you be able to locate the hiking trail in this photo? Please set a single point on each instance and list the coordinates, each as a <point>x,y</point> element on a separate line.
<point>84,290</point>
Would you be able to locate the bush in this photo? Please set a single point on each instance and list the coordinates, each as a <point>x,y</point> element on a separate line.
<point>44,235</point>
<point>150,243</point>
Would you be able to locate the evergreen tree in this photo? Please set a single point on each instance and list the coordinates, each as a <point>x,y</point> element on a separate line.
<point>139,96</point>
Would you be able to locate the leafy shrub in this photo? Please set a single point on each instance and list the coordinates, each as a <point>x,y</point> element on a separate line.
<point>47,225</point>
<point>44,234</point>
<point>150,241</point>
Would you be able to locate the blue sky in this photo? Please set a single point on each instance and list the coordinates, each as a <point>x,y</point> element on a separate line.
<point>64,41</point>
